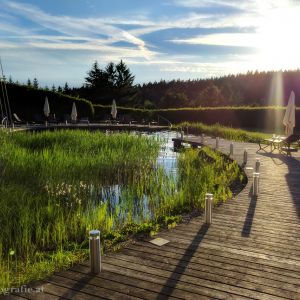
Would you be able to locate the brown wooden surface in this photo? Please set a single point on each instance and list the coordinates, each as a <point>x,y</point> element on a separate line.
<point>251,250</point>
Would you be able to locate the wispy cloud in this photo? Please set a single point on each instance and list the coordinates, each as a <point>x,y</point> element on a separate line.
<point>222,39</point>
<point>196,38</point>
<point>73,27</point>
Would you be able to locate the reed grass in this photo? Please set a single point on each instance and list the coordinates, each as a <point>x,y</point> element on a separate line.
<point>56,186</point>
<point>223,131</point>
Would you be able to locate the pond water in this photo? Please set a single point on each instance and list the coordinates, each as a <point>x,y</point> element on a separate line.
<point>135,197</point>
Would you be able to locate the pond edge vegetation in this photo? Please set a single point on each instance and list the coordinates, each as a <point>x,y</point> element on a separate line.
<point>74,253</point>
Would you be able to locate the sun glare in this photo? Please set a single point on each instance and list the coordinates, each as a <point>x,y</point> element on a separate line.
<point>278,39</point>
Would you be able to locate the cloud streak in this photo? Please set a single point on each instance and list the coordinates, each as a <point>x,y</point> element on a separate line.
<point>184,37</point>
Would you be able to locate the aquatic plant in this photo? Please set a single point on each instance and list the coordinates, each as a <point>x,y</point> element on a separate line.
<point>56,186</point>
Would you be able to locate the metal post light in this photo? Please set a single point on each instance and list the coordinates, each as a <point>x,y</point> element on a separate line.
<point>231,149</point>
<point>202,138</point>
<point>95,251</point>
<point>208,208</point>
<point>245,157</point>
<point>255,184</point>
<point>217,142</point>
<point>257,165</point>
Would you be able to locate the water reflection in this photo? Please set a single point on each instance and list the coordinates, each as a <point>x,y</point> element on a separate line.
<point>133,200</point>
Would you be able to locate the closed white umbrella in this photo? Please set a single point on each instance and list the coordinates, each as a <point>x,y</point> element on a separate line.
<point>289,117</point>
<point>74,112</point>
<point>114,109</point>
<point>46,107</point>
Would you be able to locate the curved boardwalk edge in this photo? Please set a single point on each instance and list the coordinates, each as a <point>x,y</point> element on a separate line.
<point>250,251</point>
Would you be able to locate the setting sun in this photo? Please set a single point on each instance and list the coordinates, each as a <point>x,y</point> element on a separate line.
<point>278,39</point>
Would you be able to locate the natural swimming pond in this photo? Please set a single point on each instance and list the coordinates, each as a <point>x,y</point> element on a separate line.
<point>56,186</point>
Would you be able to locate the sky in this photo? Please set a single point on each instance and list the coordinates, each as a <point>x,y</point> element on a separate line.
<point>57,41</point>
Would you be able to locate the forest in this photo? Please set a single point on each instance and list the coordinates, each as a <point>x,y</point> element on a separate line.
<point>116,81</point>
<point>250,89</point>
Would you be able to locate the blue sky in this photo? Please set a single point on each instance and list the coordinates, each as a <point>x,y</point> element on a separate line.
<point>57,41</point>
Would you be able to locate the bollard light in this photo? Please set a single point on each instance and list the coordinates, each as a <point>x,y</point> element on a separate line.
<point>208,208</point>
<point>95,254</point>
<point>245,157</point>
<point>217,142</point>
<point>231,149</point>
<point>255,184</point>
<point>202,138</point>
<point>257,165</point>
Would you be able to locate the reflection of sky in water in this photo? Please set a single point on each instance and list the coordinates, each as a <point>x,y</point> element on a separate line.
<point>167,158</point>
<point>114,195</point>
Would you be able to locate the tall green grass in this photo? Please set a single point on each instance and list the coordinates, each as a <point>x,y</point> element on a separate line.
<point>56,186</point>
<point>223,131</point>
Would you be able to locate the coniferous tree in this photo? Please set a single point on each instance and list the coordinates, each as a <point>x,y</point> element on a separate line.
<point>124,83</point>
<point>29,82</point>
<point>59,89</point>
<point>46,88</point>
<point>53,88</point>
<point>10,80</point>
<point>35,83</point>
<point>96,77</point>
<point>66,88</point>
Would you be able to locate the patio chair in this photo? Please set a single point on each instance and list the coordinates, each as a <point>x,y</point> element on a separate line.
<point>285,145</point>
<point>282,144</point>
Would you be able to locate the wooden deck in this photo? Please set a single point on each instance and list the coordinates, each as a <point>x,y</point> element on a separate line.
<point>251,251</point>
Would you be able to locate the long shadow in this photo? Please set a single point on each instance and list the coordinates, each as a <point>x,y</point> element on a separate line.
<point>77,286</point>
<point>292,176</point>
<point>250,214</point>
<point>182,264</point>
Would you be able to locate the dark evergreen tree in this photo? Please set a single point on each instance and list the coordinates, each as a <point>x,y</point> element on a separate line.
<point>124,83</point>
<point>59,89</point>
<point>53,88</point>
<point>96,77</point>
<point>66,88</point>
<point>35,83</point>
<point>29,82</point>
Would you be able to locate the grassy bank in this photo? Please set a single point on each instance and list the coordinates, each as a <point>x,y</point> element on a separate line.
<point>222,131</point>
<point>267,118</point>
<point>56,186</point>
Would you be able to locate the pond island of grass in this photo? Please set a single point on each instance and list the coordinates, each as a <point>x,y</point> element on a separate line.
<point>56,186</point>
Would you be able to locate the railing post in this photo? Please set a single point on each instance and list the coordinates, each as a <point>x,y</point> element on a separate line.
<point>231,149</point>
<point>245,157</point>
<point>257,165</point>
<point>217,142</point>
<point>202,138</point>
<point>181,134</point>
<point>95,251</point>
<point>208,208</point>
<point>255,184</point>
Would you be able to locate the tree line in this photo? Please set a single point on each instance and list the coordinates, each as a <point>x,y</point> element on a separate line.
<point>116,81</point>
